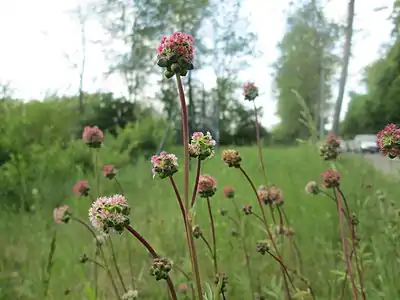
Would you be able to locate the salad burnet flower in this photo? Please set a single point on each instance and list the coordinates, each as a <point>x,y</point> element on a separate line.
<point>164,164</point>
<point>110,214</point>
<point>202,146</point>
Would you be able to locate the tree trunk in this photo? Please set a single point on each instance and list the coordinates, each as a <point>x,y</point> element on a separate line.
<point>345,65</point>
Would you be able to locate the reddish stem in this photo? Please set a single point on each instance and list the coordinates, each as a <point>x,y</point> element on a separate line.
<point>264,219</point>
<point>344,244</point>
<point>185,136</point>
<point>196,182</point>
<point>178,197</point>
<point>353,240</point>
<point>154,254</point>
<point>284,269</point>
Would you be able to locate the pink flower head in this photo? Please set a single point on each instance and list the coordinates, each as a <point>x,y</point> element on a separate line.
<point>183,288</point>
<point>206,186</point>
<point>271,195</point>
<point>228,191</point>
<point>81,188</point>
<point>262,194</point>
<point>61,214</point>
<point>330,179</point>
<point>93,136</point>
<point>275,195</point>
<point>388,140</point>
<point>110,214</point>
<point>164,165</point>
<point>109,171</point>
<point>179,43</point>
<point>312,188</point>
<point>202,145</point>
<point>250,91</point>
<point>330,148</point>
<point>176,54</point>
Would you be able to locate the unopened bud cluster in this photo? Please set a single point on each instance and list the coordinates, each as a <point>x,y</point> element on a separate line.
<point>262,247</point>
<point>270,195</point>
<point>231,157</point>
<point>330,148</point>
<point>229,192</point>
<point>247,209</point>
<point>83,259</point>
<point>62,214</point>
<point>160,268</point>
<point>81,188</point>
<point>284,230</point>
<point>109,171</point>
<point>196,230</point>
<point>312,188</point>
<point>221,280</point>
<point>176,54</point>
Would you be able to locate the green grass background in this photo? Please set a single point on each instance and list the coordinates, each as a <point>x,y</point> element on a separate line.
<point>25,237</point>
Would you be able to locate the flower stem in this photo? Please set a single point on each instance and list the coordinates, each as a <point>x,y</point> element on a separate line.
<point>213,239</point>
<point>178,197</point>
<point>258,217</point>
<point>264,218</point>
<point>102,255</point>
<point>244,246</point>
<point>185,136</point>
<point>196,182</point>
<point>114,258</point>
<point>154,254</point>
<point>207,244</point>
<point>96,171</point>
<point>260,156</point>
<point>354,245</point>
<point>344,244</point>
<point>121,189</point>
<point>296,249</point>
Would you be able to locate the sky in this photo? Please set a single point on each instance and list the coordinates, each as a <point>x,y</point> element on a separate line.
<point>40,54</point>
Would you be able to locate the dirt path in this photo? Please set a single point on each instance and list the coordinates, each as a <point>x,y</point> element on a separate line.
<point>384,164</point>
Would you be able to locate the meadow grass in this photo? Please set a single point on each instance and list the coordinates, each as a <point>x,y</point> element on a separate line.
<point>26,237</point>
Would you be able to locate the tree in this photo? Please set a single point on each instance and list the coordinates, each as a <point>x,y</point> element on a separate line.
<point>306,46</point>
<point>345,66</point>
<point>369,113</point>
<point>232,44</point>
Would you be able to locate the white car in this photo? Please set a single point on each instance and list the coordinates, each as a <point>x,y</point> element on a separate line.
<point>367,143</point>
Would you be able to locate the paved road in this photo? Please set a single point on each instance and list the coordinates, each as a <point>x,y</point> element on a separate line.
<point>385,164</point>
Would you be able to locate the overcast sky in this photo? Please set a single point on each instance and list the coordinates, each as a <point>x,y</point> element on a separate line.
<point>37,35</point>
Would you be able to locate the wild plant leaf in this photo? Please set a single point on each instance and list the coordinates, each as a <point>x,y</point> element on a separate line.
<point>300,295</point>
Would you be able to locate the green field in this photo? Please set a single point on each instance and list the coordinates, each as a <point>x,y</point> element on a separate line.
<point>26,237</point>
